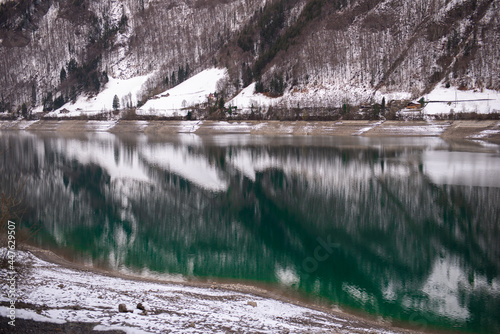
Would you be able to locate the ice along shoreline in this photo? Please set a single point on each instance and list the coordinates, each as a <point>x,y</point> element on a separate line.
<point>472,129</point>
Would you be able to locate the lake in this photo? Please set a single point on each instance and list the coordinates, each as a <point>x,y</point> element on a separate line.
<point>403,228</point>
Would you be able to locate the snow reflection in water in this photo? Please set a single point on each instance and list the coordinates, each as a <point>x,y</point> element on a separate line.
<point>406,228</point>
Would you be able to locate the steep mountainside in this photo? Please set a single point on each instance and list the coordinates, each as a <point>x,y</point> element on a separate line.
<point>41,38</point>
<point>350,51</point>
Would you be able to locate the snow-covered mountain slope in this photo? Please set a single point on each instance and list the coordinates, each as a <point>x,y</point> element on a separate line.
<point>191,92</point>
<point>370,49</point>
<point>125,90</point>
<point>312,53</point>
<point>130,38</point>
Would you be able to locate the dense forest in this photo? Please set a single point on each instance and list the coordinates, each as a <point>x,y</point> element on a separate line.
<point>51,51</point>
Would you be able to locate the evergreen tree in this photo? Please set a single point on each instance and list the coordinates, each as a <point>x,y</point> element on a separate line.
<point>59,102</point>
<point>62,75</point>
<point>48,103</point>
<point>24,111</point>
<point>246,75</point>
<point>116,103</point>
<point>221,103</point>
<point>277,86</point>
<point>73,94</point>
<point>105,77</point>
<point>172,78</point>
<point>2,105</point>
<point>72,66</point>
<point>259,87</point>
<point>422,102</point>
<point>180,74</point>
<point>33,96</point>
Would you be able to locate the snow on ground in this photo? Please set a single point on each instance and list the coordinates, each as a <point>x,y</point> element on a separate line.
<point>19,124</point>
<point>126,90</point>
<point>248,100</point>
<point>311,96</point>
<point>193,91</point>
<point>485,101</point>
<point>100,125</point>
<point>485,134</point>
<point>368,128</point>
<point>68,295</point>
<point>189,126</point>
<point>428,128</point>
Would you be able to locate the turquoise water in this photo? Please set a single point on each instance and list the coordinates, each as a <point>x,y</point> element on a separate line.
<point>403,228</point>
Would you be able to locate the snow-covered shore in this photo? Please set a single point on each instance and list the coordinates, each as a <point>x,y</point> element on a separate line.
<point>58,294</point>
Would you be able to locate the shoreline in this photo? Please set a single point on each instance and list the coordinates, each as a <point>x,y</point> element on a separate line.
<point>345,321</point>
<point>485,130</point>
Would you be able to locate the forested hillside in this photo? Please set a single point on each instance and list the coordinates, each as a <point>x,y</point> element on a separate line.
<point>53,50</point>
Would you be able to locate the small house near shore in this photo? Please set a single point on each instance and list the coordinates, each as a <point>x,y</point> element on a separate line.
<point>413,105</point>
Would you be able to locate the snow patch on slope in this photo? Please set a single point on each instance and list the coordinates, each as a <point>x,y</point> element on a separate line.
<point>124,89</point>
<point>312,96</point>
<point>446,100</point>
<point>195,90</point>
<point>248,100</point>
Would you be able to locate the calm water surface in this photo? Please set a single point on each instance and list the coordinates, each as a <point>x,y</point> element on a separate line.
<point>407,229</point>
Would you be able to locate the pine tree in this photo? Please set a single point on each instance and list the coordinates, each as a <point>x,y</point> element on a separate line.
<point>180,74</point>
<point>62,76</point>
<point>221,103</point>
<point>116,103</point>
<point>33,96</point>
<point>172,78</point>
<point>24,111</point>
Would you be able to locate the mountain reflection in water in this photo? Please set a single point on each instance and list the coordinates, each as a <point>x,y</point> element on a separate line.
<point>403,228</point>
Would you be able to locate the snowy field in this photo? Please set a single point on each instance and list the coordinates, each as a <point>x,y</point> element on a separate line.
<point>67,295</point>
<point>193,91</point>
<point>451,100</point>
<point>125,90</point>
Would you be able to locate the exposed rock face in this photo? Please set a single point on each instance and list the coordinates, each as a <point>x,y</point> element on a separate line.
<point>354,48</point>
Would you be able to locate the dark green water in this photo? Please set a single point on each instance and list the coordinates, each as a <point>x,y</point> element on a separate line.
<point>403,228</point>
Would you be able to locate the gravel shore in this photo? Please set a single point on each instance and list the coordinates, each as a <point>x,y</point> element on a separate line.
<point>475,130</point>
<point>60,296</point>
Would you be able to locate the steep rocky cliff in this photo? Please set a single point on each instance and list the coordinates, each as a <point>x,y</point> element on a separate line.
<point>51,51</point>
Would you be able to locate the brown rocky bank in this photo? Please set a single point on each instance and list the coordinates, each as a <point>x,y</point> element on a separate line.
<point>474,130</point>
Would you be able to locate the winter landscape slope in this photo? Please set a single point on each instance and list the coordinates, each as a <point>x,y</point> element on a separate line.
<point>294,53</point>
